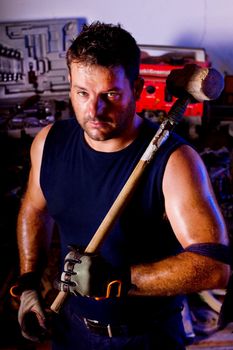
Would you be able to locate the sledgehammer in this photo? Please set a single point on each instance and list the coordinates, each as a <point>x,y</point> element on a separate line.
<point>190,84</point>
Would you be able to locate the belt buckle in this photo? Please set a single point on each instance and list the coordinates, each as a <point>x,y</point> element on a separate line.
<point>108,327</point>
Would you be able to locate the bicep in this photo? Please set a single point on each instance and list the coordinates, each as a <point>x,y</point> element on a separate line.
<point>190,203</point>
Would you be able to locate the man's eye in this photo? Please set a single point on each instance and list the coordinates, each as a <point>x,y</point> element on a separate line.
<point>113,95</point>
<point>82,93</point>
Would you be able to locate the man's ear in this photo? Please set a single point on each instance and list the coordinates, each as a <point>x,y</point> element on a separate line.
<point>69,80</point>
<point>138,86</point>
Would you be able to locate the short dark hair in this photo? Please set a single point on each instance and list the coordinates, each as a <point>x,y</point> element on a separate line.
<point>106,45</point>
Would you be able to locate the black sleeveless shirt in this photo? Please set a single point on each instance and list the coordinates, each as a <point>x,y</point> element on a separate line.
<point>80,185</point>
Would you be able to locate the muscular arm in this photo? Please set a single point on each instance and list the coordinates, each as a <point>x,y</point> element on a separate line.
<point>195,217</point>
<point>34,226</point>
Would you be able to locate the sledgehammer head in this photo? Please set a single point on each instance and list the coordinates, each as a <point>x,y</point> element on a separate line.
<point>201,83</point>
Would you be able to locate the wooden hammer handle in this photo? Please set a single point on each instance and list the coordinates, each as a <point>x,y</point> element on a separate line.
<point>127,191</point>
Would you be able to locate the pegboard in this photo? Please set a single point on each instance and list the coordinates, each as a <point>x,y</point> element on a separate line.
<point>32,57</point>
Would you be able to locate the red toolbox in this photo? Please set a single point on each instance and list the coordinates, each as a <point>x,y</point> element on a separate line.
<point>156,64</point>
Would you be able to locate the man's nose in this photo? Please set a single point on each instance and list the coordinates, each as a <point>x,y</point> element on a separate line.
<point>96,106</point>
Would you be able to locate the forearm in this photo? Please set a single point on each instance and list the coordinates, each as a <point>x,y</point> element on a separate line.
<point>34,231</point>
<point>181,274</point>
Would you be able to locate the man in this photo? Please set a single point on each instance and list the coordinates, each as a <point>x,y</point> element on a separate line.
<point>78,167</point>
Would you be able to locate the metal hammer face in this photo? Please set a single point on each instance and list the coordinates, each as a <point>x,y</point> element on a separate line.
<point>195,82</point>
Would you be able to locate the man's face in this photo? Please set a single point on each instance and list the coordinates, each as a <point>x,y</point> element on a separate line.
<point>103,101</point>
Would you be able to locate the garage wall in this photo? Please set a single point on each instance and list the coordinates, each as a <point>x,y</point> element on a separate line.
<point>199,23</point>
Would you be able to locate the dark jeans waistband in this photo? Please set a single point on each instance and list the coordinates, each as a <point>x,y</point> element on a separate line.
<point>111,330</point>
<point>123,311</point>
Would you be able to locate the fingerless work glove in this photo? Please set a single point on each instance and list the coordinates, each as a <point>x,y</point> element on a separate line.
<point>89,275</point>
<point>31,317</point>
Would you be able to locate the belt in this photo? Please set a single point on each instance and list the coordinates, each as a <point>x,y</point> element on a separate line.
<point>110,330</point>
<point>114,330</point>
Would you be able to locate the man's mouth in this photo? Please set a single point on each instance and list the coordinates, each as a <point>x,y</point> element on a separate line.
<point>97,123</point>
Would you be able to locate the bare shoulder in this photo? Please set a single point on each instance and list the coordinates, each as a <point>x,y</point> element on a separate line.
<point>39,140</point>
<point>34,197</point>
<point>186,165</point>
<point>186,156</point>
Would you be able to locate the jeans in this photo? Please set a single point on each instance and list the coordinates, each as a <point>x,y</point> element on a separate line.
<point>71,333</point>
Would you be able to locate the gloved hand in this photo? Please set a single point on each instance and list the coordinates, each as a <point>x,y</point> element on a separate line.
<point>31,317</point>
<point>89,274</point>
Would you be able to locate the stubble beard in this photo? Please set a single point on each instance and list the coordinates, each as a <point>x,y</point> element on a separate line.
<point>111,130</point>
